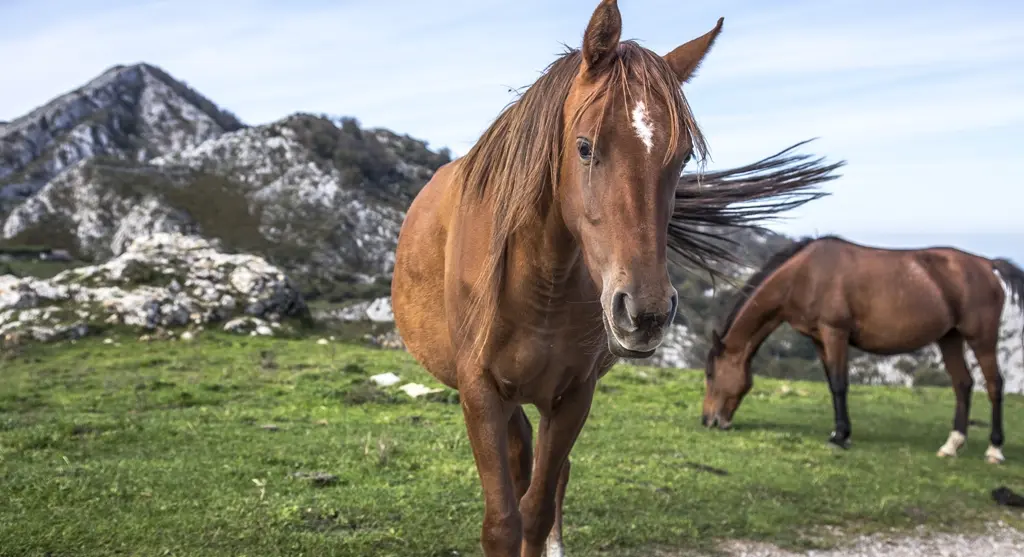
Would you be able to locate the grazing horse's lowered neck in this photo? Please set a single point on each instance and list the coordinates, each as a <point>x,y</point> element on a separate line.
<point>758,316</point>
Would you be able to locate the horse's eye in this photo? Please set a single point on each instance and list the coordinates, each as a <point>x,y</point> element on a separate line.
<point>584,148</point>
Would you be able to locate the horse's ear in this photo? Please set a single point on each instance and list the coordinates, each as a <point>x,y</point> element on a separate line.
<point>685,59</point>
<point>601,37</point>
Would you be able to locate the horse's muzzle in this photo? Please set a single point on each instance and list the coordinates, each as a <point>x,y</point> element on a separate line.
<point>647,315</point>
<point>715,421</point>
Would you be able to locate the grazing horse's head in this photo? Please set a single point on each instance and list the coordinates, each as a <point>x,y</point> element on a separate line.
<point>627,132</point>
<point>727,380</point>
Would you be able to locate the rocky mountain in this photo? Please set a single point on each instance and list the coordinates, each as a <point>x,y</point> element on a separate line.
<point>129,113</point>
<point>135,151</point>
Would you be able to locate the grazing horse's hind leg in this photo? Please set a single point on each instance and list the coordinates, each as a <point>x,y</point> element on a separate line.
<point>994,384</point>
<point>952,348</point>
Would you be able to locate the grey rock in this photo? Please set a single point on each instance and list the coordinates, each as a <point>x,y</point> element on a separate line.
<point>317,479</point>
<point>160,281</point>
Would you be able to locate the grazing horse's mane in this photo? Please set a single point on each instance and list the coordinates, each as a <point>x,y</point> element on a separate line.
<point>777,259</point>
<point>515,163</point>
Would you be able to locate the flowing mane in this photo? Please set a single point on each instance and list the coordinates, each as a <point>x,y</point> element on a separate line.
<point>515,163</point>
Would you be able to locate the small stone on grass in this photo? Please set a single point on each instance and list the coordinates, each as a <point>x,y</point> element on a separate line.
<point>385,379</point>
<point>416,390</point>
<point>317,479</point>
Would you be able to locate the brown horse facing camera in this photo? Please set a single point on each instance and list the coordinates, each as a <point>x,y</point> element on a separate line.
<point>881,301</point>
<point>527,267</point>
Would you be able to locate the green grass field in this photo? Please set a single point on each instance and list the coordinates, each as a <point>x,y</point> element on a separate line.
<point>161,449</point>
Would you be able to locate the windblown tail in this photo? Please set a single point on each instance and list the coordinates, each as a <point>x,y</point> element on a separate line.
<point>708,203</point>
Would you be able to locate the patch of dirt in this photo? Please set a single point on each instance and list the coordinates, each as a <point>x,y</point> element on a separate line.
<point>1000,539</point>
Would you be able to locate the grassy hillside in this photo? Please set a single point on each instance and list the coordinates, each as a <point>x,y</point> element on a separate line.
<point>33,267</point>
<point>167,449</point>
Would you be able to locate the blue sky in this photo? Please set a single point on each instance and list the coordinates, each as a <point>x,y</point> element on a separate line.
<point>924,99</point>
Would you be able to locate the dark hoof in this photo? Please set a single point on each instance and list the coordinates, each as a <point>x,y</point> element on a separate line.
<point>841,443</point>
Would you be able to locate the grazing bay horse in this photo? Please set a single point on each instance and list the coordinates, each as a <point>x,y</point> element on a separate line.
<point>881,301</point>
<point>527,267</point>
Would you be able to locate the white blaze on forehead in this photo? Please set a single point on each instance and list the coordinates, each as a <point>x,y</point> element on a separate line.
<point>643,126</point>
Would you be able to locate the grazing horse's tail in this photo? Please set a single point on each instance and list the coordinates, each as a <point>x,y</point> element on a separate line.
<point>1013,276</point>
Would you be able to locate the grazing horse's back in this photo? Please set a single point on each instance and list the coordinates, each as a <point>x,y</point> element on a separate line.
<point>417,286</point>
<point>943,288</point>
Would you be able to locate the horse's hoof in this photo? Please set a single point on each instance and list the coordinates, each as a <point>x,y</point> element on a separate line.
<point>553,547</point>
<point>994,455</point>
<point>952,445</point>
<point>839,446</point>
<point>840,443</point>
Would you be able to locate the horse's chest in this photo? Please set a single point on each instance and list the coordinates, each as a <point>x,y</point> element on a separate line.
<point>540,365</point>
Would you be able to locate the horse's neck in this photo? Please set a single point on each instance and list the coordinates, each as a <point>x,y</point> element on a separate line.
<point>757,318</point>
<point>545,267</point>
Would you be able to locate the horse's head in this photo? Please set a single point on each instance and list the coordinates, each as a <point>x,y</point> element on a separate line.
<point>628,132</point>
<point>727,380</point>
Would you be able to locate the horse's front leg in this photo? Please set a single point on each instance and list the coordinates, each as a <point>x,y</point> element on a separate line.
<point>487,423</point>
<point>952,348</point>
<point>834,344</point>
<point>554,547</point>
<point>556,434</point>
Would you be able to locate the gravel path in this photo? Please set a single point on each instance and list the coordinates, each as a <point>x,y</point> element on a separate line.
<point>1001,540</point>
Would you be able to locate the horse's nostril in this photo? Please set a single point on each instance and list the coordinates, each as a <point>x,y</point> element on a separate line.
<point>622,311</point>
<point>704,420</point>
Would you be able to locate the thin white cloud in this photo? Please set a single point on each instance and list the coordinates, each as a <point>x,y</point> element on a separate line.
<point>863,125</point>
<point>783,54</point>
